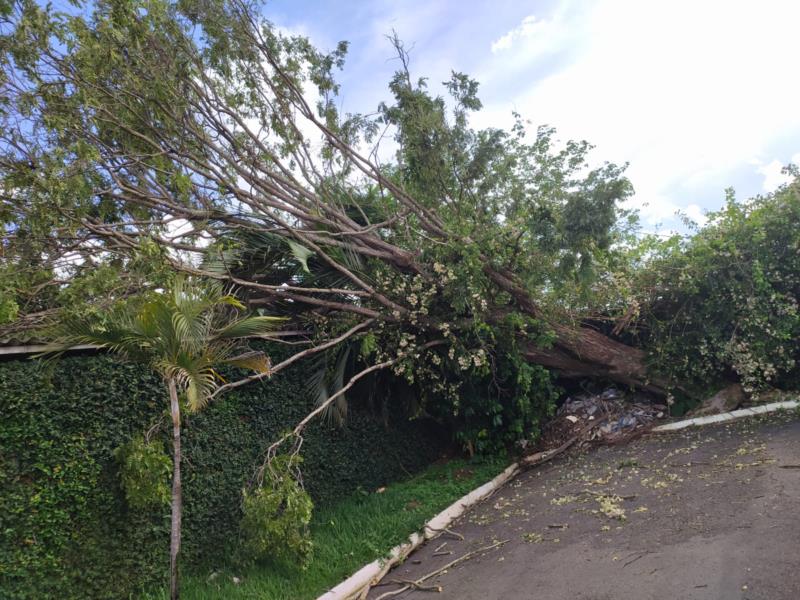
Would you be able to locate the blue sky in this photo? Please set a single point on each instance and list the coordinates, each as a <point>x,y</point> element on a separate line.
<point>696,95</point>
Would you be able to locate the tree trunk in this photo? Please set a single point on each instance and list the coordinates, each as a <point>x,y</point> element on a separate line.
<point>584,352</point>
<point>580,351</point>
<point>177,504</point>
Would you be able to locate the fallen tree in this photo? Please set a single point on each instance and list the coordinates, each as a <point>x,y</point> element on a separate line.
<point>143,138</point>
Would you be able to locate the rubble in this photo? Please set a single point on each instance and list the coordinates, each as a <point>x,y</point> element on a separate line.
<point>618,416</point>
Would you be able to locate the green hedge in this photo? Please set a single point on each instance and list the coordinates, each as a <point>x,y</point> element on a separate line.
<point>66,530</point>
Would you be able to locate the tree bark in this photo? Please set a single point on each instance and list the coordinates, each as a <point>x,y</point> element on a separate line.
<point>584,352</point>
<point>177,503</point>
<point>579,351</point>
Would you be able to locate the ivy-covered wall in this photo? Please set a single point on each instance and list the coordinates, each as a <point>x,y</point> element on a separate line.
<point>65,529</point>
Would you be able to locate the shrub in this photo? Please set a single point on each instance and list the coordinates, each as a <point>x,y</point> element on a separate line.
<point>724,304</point>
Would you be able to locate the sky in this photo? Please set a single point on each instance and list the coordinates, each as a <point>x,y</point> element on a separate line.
<point>696,96</point>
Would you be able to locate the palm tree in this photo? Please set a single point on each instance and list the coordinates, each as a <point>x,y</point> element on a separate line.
<point>184,334</point>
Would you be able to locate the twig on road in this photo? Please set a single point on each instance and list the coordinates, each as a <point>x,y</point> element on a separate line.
<point>418,582</point>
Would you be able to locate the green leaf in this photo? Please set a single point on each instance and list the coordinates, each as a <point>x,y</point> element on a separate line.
<point>250,326</point>
<point>301,253</point>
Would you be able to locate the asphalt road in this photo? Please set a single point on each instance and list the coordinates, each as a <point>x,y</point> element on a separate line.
<point>706,514</point>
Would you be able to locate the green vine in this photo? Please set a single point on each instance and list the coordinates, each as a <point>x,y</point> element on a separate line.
<point>144,471</point>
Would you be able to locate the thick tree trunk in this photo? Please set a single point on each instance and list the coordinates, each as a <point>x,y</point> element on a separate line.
<point>584,352</point>
<point>580,351</point>
<point>177,504</point>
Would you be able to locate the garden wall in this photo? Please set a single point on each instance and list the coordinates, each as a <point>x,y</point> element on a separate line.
<point>65,529</point>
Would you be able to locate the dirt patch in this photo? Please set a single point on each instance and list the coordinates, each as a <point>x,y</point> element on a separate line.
<point>706,513</point>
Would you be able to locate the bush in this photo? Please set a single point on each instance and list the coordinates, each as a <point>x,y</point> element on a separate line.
<point>68,530</point>
<point>724,305</point>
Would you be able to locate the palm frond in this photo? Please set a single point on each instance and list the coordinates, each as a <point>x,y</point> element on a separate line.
<point>183,334</point>
<point>194,376</point>
<point>253,361</point>
<point>253,254</point>
<point>337,411</point>
<point>119,337</point>
<point>301,253</point>
<point>249,327</point>
<point>326,379</point>
<point>232,301</point>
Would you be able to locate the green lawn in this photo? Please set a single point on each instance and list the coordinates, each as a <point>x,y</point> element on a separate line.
<point>348,535</point>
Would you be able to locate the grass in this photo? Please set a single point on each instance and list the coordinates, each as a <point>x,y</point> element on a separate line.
<point>347,535</point>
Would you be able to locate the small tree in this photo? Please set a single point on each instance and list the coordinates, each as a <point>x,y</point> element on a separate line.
<point>184,334</point>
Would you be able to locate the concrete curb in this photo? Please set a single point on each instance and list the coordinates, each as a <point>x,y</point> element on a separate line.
<point>369,574</point>
<point>728,416</point>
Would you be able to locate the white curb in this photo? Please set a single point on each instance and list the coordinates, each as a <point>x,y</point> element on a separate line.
<point>728,416</point>
<point>355,584</point>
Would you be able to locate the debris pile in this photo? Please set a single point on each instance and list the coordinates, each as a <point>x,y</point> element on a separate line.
<point>609,417</point>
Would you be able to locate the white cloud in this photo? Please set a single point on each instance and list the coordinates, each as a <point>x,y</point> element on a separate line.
<point>772,175</point>
<point>696,214</point>
<point>656,210</point>
<point>527,28</point>
<point>772,172</point>
<point>182,231</point>
<point>685,91</point>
